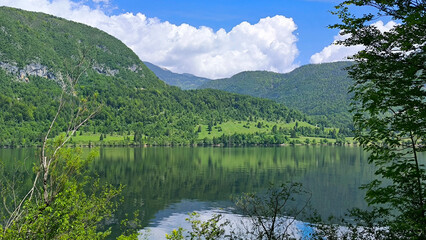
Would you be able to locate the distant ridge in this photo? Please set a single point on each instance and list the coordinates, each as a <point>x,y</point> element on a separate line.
<point>320,90</point>
<point>185,81</point>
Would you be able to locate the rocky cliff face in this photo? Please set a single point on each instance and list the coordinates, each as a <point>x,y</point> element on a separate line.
<point>36,69</point>
<point>101,69</point>
<point>33,69</point>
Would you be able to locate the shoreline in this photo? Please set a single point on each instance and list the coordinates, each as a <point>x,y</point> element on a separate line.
<point>354,144</point>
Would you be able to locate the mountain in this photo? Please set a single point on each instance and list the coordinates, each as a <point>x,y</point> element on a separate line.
<point>38,52</point>
<point>184,81</point>
<point>319,90</point>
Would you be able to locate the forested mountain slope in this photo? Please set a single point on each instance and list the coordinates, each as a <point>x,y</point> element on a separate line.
<point>184,81</point>
<point>320,90</point>
<point>38,50</point>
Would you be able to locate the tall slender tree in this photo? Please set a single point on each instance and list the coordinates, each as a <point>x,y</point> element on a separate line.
<point>57,206</point>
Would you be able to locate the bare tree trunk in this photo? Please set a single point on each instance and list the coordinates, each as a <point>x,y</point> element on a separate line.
<point>47,159</point>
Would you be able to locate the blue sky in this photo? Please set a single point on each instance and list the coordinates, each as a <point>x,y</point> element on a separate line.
<point>213,39</point>
<point>311,16</point>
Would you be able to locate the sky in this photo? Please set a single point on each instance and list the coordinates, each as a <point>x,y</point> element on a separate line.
<point>213,39</point>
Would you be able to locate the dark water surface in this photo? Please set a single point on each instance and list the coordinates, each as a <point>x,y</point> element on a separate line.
<point>162,182</point>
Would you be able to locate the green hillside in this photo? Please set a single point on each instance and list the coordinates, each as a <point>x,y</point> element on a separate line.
<point>184,81</point>
<point>38,50</point>
<point>320,90</point>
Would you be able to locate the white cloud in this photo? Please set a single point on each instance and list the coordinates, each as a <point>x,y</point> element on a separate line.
<point>334,52</point>
<point>269,44</point>
<point>101,1</point>
<point>384,27</point>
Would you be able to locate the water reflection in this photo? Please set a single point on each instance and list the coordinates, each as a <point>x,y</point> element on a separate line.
<point>159,181</point>
<point>157,178</point>
<point>170,219</point>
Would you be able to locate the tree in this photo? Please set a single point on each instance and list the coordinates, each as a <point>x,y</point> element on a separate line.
<point>58,206</point>
<point>307,141</point>
<point>293,133</point>
<point>272,214</point>
<point>209,127</point>
<point>274,129</point>
<point>389,107</point>
<point>213,228</point>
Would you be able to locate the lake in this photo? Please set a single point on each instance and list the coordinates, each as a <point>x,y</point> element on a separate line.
<point>166,183</point>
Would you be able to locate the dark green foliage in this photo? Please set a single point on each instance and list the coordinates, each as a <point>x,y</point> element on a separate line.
<point>319,90</point>
<point>390,108</point>
<point>274,137</point>
<point>132,97</point>
<point>274,129</point>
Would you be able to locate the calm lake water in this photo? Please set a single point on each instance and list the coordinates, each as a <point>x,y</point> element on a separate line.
<point>165,183</point>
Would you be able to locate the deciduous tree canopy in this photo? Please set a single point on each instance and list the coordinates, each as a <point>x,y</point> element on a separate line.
<point>390,107</point>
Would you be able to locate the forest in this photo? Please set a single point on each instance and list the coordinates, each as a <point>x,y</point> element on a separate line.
<point>52,69</point>
<point>40,52</point>
<point>318,90</point>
